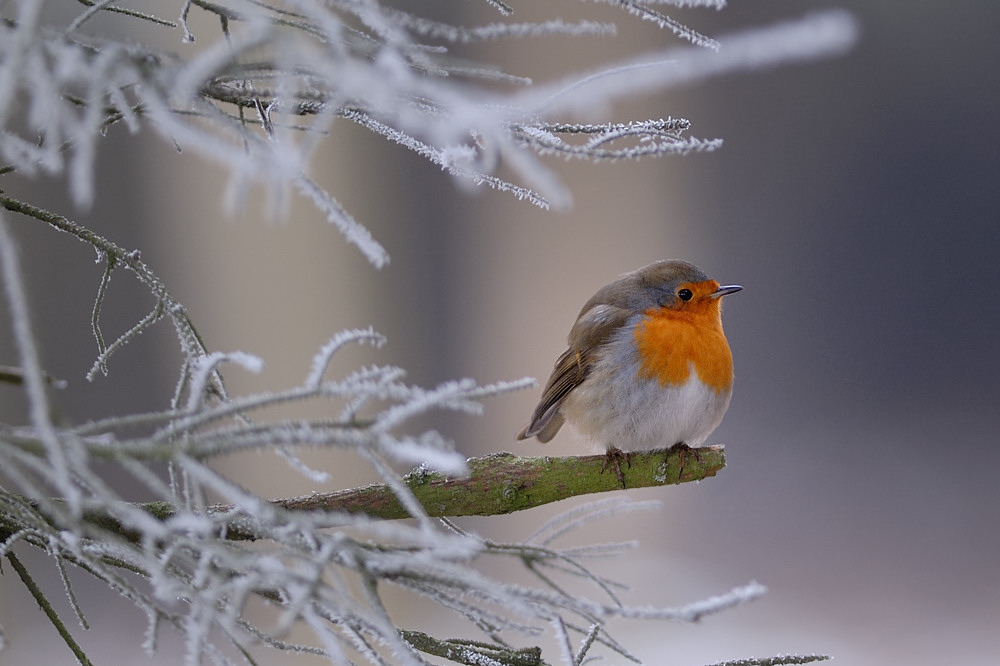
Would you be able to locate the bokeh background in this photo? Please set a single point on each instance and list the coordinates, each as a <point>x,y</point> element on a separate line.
<point>856,199</point>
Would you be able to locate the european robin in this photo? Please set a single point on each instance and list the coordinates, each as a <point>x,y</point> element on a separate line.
<point>648,366</point>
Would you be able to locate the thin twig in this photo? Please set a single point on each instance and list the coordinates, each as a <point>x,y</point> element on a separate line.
<point>46,607</point>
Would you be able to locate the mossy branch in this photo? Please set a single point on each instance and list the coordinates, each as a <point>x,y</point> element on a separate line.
<point>503,483</point>
<point>497,484</point>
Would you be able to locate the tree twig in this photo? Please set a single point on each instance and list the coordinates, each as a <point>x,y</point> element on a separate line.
<point>473,652</point>
<point>47,608</point>
<point>498,483</point>
<point>503,483</point>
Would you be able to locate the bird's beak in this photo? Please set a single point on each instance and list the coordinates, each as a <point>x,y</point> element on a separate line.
<point>725,291</point>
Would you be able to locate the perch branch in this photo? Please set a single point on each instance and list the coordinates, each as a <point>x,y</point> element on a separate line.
<point>498,483</point>
<point>503,483</point>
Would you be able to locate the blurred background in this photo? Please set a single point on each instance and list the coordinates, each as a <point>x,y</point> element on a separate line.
<point>857,200</point>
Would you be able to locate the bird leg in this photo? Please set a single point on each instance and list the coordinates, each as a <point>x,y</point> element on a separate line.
<point>613,458</point>
<point>683,448</point>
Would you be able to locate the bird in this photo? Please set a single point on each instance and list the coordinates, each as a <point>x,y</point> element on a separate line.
<point>647,367</point>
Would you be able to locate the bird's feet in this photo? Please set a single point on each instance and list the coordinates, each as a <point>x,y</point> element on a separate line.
<point>613,459</point>
<point>684,450</point>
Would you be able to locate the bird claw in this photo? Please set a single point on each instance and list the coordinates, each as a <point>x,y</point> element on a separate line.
<point>613,458</point>
<point>684,450</point>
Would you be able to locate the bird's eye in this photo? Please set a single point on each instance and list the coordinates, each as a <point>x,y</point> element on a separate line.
<point>684,294</point>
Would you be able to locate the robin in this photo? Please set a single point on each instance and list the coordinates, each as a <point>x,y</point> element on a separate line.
<point>648,366</point>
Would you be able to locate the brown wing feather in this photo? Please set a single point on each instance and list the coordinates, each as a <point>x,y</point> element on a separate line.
<point>592,329</point>
<point>569,372</point>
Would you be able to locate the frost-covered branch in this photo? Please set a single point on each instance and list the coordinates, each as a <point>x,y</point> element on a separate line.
<point>114,256</point>
<point>260,97</point>
<point>779,660</point>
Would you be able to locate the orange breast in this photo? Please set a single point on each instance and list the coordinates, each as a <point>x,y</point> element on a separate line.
<point>672,341</point>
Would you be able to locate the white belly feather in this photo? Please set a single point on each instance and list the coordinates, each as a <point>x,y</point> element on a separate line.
<point>614,408</point>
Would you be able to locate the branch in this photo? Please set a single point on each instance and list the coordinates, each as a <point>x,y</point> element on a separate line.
<point>503,483</point>
<point>473,652</point>
<point>46,607</point>
<point>498,483</point>
<point>188,336</point>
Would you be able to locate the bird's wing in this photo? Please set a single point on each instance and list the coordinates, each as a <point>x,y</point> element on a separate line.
<point>592,329</point>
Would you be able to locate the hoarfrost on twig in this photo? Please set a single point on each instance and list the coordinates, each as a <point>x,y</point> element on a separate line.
<point>313,59</point>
